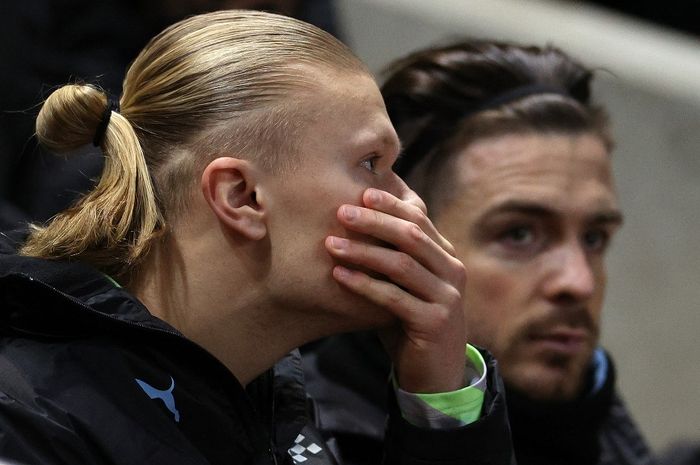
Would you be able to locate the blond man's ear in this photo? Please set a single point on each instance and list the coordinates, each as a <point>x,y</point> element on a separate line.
<point>229,187</point>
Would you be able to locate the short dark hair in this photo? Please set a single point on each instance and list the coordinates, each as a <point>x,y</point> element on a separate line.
<point>442,99</point>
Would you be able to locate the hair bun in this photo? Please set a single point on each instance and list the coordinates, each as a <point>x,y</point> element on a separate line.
<point>70,116</point>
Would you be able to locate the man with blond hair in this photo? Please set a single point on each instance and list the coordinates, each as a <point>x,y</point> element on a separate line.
<point>247,206</point>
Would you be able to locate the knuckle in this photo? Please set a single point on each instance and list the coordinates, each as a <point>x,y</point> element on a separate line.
<point>448,247</point>
<point>419,215</point>
<point>458,273</point>
<point>440,316</point>
<point>411,197</point>
<point>453,298</point>
<point>404,263</point>
<point>377,218</point>
<point>419,205</point>
<point>415,236</point>
<point>393,299</point>
<point>395,203</point>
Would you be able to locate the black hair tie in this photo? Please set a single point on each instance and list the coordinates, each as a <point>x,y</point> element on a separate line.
<point>112,105</point>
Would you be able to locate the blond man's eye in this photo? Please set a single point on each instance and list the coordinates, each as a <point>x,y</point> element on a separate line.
<point>370,164</point>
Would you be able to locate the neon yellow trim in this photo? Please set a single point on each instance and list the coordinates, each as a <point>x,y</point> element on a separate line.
<point>477,359</point>
<point>464,404</point>
<point>111,280</point>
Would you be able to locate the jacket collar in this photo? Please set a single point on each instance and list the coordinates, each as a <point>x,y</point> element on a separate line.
<point>567,429</point>
<point>58,297</point>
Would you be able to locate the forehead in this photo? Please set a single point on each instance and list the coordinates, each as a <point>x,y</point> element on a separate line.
<point>559,172</point>
<point>344,112</point>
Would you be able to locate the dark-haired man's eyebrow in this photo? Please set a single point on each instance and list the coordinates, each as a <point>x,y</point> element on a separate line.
<point>607,216</point>
<point>612,217</point>
<point>522,207</point>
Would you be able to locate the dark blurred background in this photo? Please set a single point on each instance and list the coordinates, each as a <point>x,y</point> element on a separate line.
<point>47,43</point>
<point>682,15</point>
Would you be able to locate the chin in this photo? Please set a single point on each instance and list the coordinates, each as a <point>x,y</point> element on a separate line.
<point>546,382</point>
<point>371,317</point>
<point>352,312</point>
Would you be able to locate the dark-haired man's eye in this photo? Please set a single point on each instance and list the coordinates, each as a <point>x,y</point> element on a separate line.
<point>596,240</point>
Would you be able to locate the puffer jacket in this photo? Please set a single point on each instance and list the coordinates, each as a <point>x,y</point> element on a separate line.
<point>594,430</point>
<point>89,376</point>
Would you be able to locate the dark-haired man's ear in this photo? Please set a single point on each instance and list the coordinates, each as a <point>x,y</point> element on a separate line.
<point>229,185</point>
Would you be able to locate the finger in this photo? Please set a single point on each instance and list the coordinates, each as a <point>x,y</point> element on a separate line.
<point>410,208</point>
<point>404,235</point>
<point>423,321</point>
<point>409,196</point>
<point>399,267</point>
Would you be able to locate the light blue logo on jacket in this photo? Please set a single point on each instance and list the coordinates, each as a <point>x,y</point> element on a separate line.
<point>166,396</point>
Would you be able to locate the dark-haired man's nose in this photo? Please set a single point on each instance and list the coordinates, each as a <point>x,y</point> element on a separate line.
<point>570,277</point>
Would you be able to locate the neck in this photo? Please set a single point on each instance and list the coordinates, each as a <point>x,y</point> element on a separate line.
<point>216,296</point>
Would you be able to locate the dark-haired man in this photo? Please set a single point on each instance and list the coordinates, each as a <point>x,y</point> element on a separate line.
<point>513,161</point>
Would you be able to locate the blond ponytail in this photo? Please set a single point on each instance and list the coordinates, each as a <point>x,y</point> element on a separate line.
<point>227,82</point>
<point>112,226</point>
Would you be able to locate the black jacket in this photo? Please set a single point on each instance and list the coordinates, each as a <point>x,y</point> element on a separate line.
<point>594,430</point>
<point>89,376</point>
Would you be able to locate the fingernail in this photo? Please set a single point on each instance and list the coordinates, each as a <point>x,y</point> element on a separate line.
<point>374,196</point>
<point>350,212</point>
<point>339,242</point>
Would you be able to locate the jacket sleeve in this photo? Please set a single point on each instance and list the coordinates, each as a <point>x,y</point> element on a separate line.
<point>486,441</point>
<point>29,436</point>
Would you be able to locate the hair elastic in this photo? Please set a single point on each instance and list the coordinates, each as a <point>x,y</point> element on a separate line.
<point>112,105</point>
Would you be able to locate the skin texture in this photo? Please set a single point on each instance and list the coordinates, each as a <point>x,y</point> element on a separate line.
<point>264,262</point>
<point>349,147</point>
<point>530,217</point>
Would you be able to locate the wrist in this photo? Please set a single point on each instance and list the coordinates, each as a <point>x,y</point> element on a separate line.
<point>446,377</point>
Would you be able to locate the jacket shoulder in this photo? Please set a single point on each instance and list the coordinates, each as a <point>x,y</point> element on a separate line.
<point>621,440</point>
<point>78,402</point>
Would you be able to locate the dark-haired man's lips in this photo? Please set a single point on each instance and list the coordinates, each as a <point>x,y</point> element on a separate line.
<point>563,341</point>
